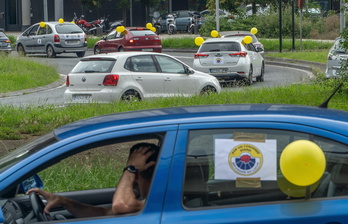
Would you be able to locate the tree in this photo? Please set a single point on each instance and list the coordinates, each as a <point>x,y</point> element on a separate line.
<point>93,3</point>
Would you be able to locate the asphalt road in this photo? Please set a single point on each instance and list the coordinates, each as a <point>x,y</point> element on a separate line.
<point>274,76</point>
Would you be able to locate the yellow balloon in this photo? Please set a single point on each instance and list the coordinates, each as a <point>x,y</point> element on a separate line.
<point>199,41</point>
<point>61,20</point>
<point>302,162</point>
<point>148,25</point>
<point>253,30</point>
<point>72,22</point>
<point>214,33</point>
<point>120,29</point>
<point>248,39</point>
<point>153,29</point>
<point>42,24</point>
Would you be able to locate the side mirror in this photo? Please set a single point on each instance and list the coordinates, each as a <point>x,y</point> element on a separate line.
<point>259,49</point>
<point>32,182</point>
<point>189,71</point>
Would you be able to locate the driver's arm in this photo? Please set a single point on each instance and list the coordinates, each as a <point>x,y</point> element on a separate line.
<point>76,208</point>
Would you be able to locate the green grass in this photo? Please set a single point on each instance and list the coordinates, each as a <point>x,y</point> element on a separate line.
<point>16,123</point>
<point>20,73</point>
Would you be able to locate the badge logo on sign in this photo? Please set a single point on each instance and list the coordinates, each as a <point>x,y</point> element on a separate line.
<point>245,159</point>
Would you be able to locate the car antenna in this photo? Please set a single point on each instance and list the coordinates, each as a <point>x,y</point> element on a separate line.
<point>325,104</point>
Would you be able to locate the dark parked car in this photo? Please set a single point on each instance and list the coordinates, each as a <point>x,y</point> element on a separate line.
<point>183,19</point>
<point>5,43</point>
<point>131,39</point>
<point>217,164</point>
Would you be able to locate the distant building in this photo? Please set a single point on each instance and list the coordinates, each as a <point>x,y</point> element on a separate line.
<point>17,15</point>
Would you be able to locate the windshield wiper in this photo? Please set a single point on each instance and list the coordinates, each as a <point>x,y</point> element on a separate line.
<point>90,71</point>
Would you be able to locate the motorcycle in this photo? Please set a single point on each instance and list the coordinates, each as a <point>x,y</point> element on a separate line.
<point>88,27</point>
<point>114,25</point>
<point>193,25</point>
<point>157,22</point>
<point>171,23</point>
<point>104,26</point>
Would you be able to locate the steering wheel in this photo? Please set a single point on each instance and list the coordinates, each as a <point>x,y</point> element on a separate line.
<point>38,207</point>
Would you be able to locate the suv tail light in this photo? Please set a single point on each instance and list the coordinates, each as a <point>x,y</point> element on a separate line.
<point>56,38</point>
<point>110,80</point>
<point>67,81</point>
<point>198,55</point>
<point>241,53</point>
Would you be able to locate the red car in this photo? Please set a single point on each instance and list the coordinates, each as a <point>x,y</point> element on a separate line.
<point>131,39</point>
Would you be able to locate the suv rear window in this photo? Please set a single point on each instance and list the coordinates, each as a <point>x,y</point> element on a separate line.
<point>68,28</point>
<point>142,33</point>
<point>220,46</point>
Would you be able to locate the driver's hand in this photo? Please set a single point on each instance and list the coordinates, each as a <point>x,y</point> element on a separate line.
<point>52,199</point>
<point>138,158</point>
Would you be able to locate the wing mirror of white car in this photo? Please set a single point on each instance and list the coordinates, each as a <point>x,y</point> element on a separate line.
<point>259,49</point>
<point>189,70</point>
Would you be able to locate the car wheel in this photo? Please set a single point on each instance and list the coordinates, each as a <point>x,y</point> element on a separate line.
<point>131,96</point>
<point>261,77</point>
<point>20,50</point>
<point>50,52</point>
<point>80,54</point>
<point>207,90</point>
<point>121,49</point>
<point>248,81</point>
<point>96,50</point>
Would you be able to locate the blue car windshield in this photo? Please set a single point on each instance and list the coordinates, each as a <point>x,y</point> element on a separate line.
<point>26,150</point>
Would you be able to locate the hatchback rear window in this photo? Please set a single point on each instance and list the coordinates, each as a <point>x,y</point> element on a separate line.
<point>142,33</point>
<point>94,66</point>
<point>220,46</point>
<point>68,28</point>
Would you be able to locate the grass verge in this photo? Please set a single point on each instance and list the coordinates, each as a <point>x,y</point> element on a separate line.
<point>22,73</point>
<point>17,123</point>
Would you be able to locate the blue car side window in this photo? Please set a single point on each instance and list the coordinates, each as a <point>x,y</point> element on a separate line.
<point>241,166</point>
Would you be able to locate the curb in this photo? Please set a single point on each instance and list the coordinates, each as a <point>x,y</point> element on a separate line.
<point>58,83</point>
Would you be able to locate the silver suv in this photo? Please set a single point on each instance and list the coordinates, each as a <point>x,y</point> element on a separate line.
<point>52,38</point>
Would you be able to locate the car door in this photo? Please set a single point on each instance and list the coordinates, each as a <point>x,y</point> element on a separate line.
<point>110,43</point>
<point>177,81</point>
<point>255,58</point>
<point>146,76</point>
<point>28,39</point>
<point>230,173</point>
<point>90,155</point>
<point>41,39</point>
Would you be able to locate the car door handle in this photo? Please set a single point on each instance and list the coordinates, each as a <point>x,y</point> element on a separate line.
<point>167,79</point>
<point>139,79</point>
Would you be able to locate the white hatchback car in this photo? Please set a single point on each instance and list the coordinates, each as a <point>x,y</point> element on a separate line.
<point>229,60</point>
<point>337,54</point>
<point>134,76</point>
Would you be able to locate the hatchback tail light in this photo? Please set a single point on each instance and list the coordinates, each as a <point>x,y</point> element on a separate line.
<point>198,55</point>
<point>241,53</point>
<point>8,41</point>
<point>110,80</point>
<point>56,38</point>
<point>85,38</point>
<point>67,81</point>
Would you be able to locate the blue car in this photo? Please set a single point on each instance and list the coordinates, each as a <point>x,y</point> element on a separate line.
<point>217,164</point>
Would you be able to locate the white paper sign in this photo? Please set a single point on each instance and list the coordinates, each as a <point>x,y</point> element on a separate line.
<point>245,159</point>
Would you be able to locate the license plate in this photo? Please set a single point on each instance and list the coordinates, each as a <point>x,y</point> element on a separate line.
<point>147,49</point>
<point>218,70</point>
<point>82,97</point>
<point>72,42</point>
